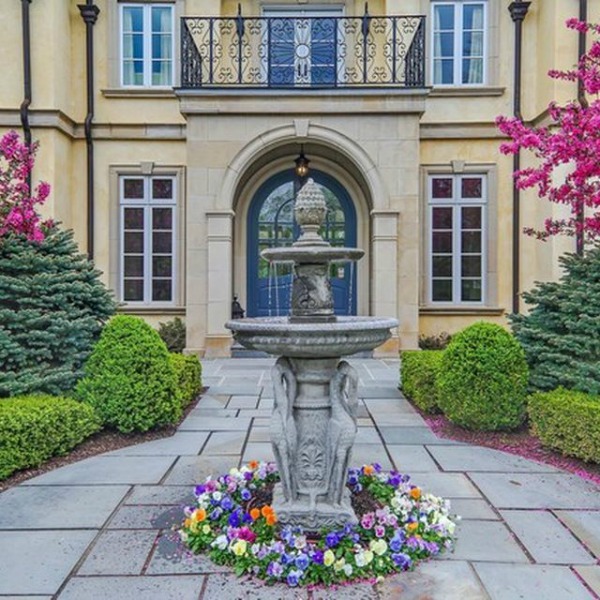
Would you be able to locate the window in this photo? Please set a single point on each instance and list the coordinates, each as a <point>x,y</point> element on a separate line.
<point>148,230</point>
<point>457,238</point>
<point>459,42</point>
<point>146,44</point>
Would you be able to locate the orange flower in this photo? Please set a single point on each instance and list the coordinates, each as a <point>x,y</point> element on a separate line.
<point>266,511</point>
<point>255,513</point>
<point>271,519</point>
<point>415,493</point>
<point>368,470</point>
<point>253,464</point>
<point>200,514</point>
<point>187,523</point>
<point>412,526</point>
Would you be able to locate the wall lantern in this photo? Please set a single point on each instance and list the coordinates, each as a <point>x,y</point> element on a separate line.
<point>301,164</point>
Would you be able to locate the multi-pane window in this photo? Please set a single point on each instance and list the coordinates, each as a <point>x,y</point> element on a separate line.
<point>146,44</point>
<point>456,256</point>
<point>148,206</point>
<point>459,42</point>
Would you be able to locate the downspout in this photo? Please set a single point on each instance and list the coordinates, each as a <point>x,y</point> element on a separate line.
<point>89,13</point>
<point>582,102</point>
<point>24,109</point>
<point>517,10</point>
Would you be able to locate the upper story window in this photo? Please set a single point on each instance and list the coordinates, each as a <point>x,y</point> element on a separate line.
<point>459,42</point>
<point>457,238</point>
<point>147,44</point>
<point>148,206</point>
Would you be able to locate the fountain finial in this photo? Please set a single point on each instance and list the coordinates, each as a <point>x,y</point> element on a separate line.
<point>310,209</point>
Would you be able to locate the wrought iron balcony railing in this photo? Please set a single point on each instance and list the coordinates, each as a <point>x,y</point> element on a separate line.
<point>303,52</point>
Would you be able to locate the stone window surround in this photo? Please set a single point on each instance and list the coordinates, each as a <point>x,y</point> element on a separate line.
<point>113,37</point>
<point>490,291</point>
<point>114,275</point>
<point>492,59</point>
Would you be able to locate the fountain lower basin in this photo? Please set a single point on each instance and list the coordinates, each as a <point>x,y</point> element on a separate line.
<point>343,337</point>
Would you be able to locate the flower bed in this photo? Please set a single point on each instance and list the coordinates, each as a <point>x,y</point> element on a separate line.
<point>234,523</point>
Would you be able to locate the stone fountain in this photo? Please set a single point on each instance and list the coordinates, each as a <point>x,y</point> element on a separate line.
<point>315,393</point>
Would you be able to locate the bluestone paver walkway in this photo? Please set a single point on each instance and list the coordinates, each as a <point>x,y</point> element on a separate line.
<point>103,528</point>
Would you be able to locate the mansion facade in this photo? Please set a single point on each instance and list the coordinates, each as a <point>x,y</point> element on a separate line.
<point>172,133</point>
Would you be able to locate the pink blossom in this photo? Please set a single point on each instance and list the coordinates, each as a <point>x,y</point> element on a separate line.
<point>571,144</point>
<point>18,214</point>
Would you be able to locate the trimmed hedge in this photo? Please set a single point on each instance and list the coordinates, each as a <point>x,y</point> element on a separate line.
<point>129,378</point>
<point>567,421</point>
<point>419,369</point>
<point>482,380</point>
<point>188,372</point>
<point>36,428</point>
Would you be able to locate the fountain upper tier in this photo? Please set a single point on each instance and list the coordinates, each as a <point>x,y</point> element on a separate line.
<point>312,330</point>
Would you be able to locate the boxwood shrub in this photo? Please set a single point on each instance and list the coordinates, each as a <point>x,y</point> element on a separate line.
<point>567,421</point>
<point>482,379</point>
<point>419,369</point>
<point>129,378</point>
<point>188,371</point>
<point>36,428</point>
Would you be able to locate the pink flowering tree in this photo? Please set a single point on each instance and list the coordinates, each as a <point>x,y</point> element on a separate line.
<point>18,205</point>
<point>571,145</point>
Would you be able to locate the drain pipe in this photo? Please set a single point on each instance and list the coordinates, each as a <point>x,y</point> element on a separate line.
<point>24,108</point>
<point>518,11</point>
<point>89,13</point>
<point>582,102</point>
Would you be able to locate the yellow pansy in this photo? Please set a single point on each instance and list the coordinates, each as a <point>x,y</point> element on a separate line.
<point>240,547</point>
<point>328,558</point>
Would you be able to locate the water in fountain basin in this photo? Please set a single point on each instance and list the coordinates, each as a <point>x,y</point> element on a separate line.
<point>351,288</point>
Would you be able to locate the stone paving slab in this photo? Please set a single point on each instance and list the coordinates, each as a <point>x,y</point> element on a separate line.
<point>37,562</point>
<point>246,402</point>
<point>545,538</point>
<point>412,459</point>
<point>379,391</point>
<point>473,458</point>
<point>356,591</point>
<point>413,435</point>
<point>185,587</point>
<point>435,580</point>
<point>225,442</point>
<point>108,470</point>
<point>119,553</point>
<point>205,423</point>
<point>585,524</point>
<point>259,434</point>
<point>367,435</point>
<point>377,406</point>
<point>489,541</point>
<point>155,516</point>
<point>161,494</point>
<point>229,587</point>
<point>466,508</point>
<point>531,582</point>
<point>528,490</point>
<point>204,412</point>
<point>364,454</point>
<point>591,576</point>
<point>72,507</point>
<point>237,389</point>
<point>180,444</point>
<point>448,485</point>
<point>258,451</point>
<point>170,557</point>
<point>405,419</point>
<point>191,470</point>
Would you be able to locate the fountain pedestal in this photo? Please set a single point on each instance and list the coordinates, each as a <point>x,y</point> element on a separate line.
<point>315,393</point>
<point>312,432</point>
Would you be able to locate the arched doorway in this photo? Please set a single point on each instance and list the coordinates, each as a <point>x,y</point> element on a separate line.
<point>271,224</point>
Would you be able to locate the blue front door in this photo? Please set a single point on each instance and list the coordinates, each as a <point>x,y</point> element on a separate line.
<point>302,49</point>
<point>271,224</point>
